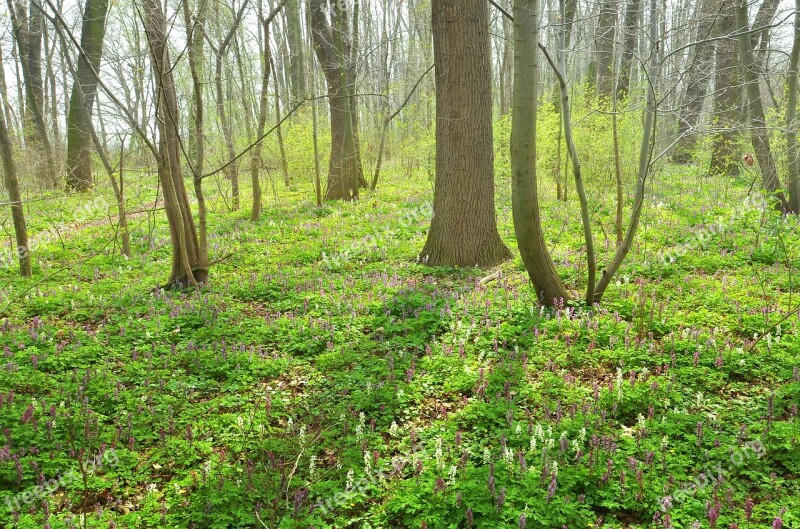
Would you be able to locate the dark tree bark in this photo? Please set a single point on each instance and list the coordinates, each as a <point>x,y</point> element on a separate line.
<point>79,138</point>
<point>697,82</point>
<point>724,156</point>
<point>764,16</point>
<point>188,266</point>
<point>463,230</point>
<point>758,123</point>
<point>333,44</point>
<point>604,48</point>
<point>791,117</point>
<point>27,29</point>
<point>631,32</point>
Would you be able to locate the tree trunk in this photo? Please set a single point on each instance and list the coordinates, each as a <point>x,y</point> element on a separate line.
<point>332,43</point>
<point>196,53</point>
<point>758,123</point>
<point>791,117</point>
<point>297,68</point>
<point>724,158</point>
<point>632,16</point>
<point>604,48</point>
<point>524,194</point>
<point>188,267</point>
<point>463,230</point>
<point>79,139</point>
<point>27,29</point>
<point>15,197</point>
<point>697,81</point>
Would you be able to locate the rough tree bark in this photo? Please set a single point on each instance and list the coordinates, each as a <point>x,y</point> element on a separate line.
<point>27,29</point>
<point>79,138</point>
<point>791,117</point>
<point>332,44</point>
<point>631,30</point>
<point>297,68</point>
<point>188,266</point>
<point>724,158</point>
<point>758,123</point>
<point>697,81</point>
<point>15,197</point>
<point>463,230</point>
<point>604,48</point>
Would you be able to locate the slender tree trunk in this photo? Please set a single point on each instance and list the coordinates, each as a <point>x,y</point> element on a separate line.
<point>297,68</point>
<point>265,60</point>
<point>27,28</point>
<point>507,67</point>
<point>195,38</point>
<point>524,194</point>
<point>15,197</point>
<point>188,267</point>
<point>791,117</point>
<point>79,139</point>
<point>758,122</point>
<point>645,150</point>
<point>279,132</point>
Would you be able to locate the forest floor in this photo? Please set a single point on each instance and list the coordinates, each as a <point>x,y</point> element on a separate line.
<point>325,378</point>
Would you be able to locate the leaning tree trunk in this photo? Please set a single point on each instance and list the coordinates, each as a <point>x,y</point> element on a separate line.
<point>464,227</point>
<point>758,123</point>
<point>724,159</point>
<point>79,136</point>
<point>27,29</point>
<point>524,194</point>
<point>188,266</point>
<point>15,198</point>
<point>332,43</point>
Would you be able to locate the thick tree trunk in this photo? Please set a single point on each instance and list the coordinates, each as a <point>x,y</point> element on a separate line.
<point>297,68</point>
<point>79,138</point>
<point>188,266</point>
<point>15,197</point>
<point>631,28</point>
<point>758,123</point>
<point>604,48</point>
<point>724,155</point>
<point>524,194</point>
<point>697,82</point>
<point>332,43</point>
<point>463,230</point>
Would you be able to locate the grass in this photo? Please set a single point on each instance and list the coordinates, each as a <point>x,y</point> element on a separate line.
<point>324,378</point>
